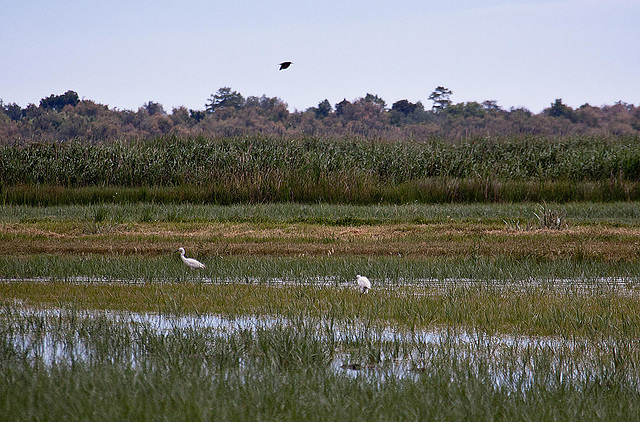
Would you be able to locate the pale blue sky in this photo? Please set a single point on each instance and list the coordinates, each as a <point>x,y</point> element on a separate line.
<point>125,53</point>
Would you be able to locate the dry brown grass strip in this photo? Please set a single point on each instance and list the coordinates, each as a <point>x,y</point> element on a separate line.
<point>446,239</point>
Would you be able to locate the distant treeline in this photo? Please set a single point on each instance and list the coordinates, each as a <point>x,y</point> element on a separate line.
<point>254,169</point>
<point>228,113</point>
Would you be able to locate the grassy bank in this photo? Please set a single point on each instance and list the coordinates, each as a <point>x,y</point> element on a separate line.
<point>315,270</point>
<point>211,241</point>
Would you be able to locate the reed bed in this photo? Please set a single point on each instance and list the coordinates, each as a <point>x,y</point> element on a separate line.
<point>260,169</point>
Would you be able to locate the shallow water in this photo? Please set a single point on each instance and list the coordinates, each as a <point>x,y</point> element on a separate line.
<point>506,361</point>
<point>622,284</point>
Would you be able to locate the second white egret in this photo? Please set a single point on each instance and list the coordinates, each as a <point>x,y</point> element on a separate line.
<point>364,283</point>
<point>190,262</point>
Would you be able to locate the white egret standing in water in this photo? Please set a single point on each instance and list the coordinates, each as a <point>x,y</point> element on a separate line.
<point>364,283</point>
<point>190,262</point>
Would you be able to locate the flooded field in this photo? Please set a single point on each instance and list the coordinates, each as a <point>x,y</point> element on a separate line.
<point>68,337</point>
<point>300,362</point>
<point>203,348</point>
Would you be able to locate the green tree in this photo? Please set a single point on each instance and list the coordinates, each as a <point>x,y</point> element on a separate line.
<point>375,100</point>
<point>491,105</point>
<point>12,110</point>
<point>154,108</point>
<point>224,98</point>
<point>471,109</point>
<point>196,115</point>
<point>264,103</point>
<point>58,102</point>
<point>323,110</point>
<point>404,106</point>
<point>558,109</point>
<point>342,108</point>
<point>441,98</point>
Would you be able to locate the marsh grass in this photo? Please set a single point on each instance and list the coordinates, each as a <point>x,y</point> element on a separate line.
<point>336,190</point>
<point>323,213</point>
<point>449,337</point>
<point>532,309</point>
<point>550,218</point>
<point>317,270</point>
<point>71,363</point>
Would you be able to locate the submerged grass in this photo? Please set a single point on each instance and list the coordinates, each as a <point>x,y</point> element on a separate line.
<point>530,309</point>
<point>317,270</point>
<point>100,366</point>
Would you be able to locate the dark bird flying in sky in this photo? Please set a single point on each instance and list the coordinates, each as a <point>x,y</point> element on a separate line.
<point>284,65</point>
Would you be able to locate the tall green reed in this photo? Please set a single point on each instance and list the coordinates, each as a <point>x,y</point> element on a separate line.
<point>258,169</point>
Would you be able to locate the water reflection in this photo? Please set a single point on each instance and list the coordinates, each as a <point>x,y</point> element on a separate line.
<point>53,337</point>
<point>617,284</point>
